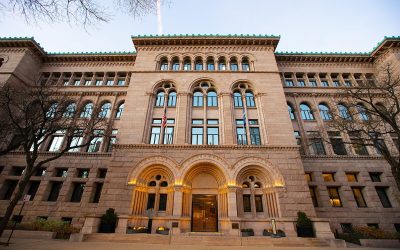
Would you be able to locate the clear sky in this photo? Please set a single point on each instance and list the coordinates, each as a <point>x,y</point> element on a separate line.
<point>304,25</point>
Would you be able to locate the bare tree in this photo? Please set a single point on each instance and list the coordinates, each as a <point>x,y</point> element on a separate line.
<point>85,12</point>
<point>373,114</point>
<point>31,116</point>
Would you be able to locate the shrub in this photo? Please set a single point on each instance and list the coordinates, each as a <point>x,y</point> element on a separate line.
<point>303,221</point>
<point>62,228</point>
<point>374,233</point>
<point>110,217</point>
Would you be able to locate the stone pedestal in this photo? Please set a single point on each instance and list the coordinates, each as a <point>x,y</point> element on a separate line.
<point>323,230</point>
<point>122,225</point>
<point>91,225</point>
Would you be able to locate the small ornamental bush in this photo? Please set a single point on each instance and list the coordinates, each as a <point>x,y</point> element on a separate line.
<point>374,233</point>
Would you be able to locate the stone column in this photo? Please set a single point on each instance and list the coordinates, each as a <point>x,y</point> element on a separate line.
<point>178,199</point>
<point>232,206</point>
<point>227,123</point>
<point>181,118</point>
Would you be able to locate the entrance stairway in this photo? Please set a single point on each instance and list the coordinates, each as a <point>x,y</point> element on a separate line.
<point>209,239</point>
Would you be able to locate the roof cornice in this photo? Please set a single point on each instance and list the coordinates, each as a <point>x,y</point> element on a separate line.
<point>199,40</point>
<point>29,42</point>
<point>342,57</point>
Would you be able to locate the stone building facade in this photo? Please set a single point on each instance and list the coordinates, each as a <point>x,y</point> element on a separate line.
<point>201,138</point>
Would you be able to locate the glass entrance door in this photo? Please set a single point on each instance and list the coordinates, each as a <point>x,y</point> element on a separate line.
<point>204,213</point>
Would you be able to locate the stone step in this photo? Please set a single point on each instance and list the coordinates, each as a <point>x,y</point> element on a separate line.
<point>206,239</point>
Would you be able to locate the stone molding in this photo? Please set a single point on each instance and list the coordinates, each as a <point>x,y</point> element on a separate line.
<point>89,64</point>
<point>199,147</point>
<point>200,48</point>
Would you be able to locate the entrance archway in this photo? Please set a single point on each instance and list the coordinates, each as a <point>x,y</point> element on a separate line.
<point>205,197</point>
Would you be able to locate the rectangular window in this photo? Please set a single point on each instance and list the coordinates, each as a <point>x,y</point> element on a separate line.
<point>77,82</point>
<point>328,177</point>
<point>317,146</point>
<point>301,83</point>
<point>259,203</point>
<point>241,136</point>
<point>380,146</point>
<point>110,82</point>
<point>373,225</point>
<point>56,143</point>
<point>197,121</point>
<point>40,172</point>
<point>212,136</point>
<point>358,197</point>
<point>255,136</point>
<point>324,84</point>
<point>338,146</point>
<point>17,171</point>
<point>308,177</point>
<point>77,192</point>
<point>168,135</point>
<point>359,146</point>
<point>8,188</point>
<point>151,200</point>
<point>54,190</point>
<point>95,144</point>
<point>212,121</point>
<point>197,136</point>
<point>97,192</point>
<point>101,173</point>
<point>33,188</point>
<point>162,205</point>
<point>246,203</point>
<point>75,143</point>
<point>313,83</point>
<point>61,172</point>
<point>83,173</point>
<point>334,197</point>
<point>336,84</point>
<point>375,176</point>
<point>313,194</point>
<point>99,82</point>
<point>88,82</point>
<point>155,135</point>
<point>351,177</point>
<point>121,82</point>
<point>112,141</point>
<point>289,83</point>
<point>383,196</point>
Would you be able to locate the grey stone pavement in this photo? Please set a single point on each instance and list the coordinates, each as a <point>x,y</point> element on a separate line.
<point>25,244</point>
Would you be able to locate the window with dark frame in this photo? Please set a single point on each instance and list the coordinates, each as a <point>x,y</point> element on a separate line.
<point>383,197</point>
<point>246,203</point>
<point>258,203</point>
<point>77,192</point>
<point>358,196</point>
<point>54,190</point>
<point>162,205</point>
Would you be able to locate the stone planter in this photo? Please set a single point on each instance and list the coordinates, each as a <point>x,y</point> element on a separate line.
<point>267,233</point>
<point>380,243</point>
<point>247,233</point>
<point>305,232</point>
<point>136,231</point>
<point>107,228</point>
<point>163,232</point>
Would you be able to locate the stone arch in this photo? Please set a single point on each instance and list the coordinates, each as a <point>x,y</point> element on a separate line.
<point>199,163</point>
<point>247,82</point>
<point>270,173</point>
<point>196,81</point>
<point>159,83</point>
<point>145,166</point>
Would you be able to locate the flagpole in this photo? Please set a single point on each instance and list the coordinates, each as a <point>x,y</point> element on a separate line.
<point>159,21</point>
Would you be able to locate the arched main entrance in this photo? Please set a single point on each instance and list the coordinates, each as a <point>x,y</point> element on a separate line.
<point>205,197</point>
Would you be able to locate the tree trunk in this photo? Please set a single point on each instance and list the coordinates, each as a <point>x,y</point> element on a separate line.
<point>14,201</point>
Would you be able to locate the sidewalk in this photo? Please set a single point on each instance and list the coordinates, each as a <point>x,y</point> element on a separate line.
<point>26,244</point>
